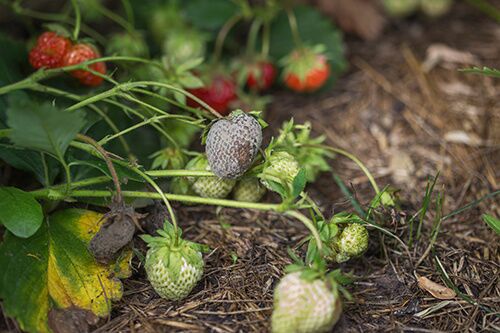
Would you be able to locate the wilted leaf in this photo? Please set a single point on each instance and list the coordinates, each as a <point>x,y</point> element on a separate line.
<point>20,213</point>
<point>53,269</point>
<point>435,289</point>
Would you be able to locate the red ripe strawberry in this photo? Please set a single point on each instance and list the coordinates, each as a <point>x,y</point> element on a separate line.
<point>82,52</point>
<point>49,50</point>
<point>306,71</point>
<point>261,76</point>
<point>218,94</point>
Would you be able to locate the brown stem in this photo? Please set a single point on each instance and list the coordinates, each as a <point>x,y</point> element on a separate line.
<point>109,163</point>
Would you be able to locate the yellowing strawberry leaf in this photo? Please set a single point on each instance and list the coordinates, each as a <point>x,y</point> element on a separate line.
<point>53,269</point>
<point>43,126</point>
<point>20,213</point>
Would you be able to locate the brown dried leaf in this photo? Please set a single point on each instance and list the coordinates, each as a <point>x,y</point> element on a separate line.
<point>445,55</point>
<point>361,17</point>
<point>435,289</point>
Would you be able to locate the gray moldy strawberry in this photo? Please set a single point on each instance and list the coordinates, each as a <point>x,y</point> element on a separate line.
<point>232,144</point>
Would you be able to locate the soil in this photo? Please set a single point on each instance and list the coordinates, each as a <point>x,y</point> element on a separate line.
<point>405,124</point>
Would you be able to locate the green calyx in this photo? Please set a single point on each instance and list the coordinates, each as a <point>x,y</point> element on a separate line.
<point>281,167</point>
<point>173,265</point>
<point>301,61</point>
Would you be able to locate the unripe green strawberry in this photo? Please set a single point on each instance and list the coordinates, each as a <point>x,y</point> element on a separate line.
<point>282,168</point>
<point>173,265</point>
<point>128,45</point>
<point>400,8</point>
<point>435,8</point>
<point>249,189</point>
<point>304,306</point>
<point>182,45</point>
<point>352,242</point>
<point>232,144</point>
<point>208,187</point>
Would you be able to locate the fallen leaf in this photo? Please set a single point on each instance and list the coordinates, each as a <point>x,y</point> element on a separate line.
<point>463,138</point>
<point>71,320</point>
<point>401,166</point>
<point>456,89</point>
<point>443,54</point>
<point>435,289</point>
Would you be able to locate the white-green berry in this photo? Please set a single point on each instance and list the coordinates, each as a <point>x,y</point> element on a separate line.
<point>302,306</point>
<point>281,168</point>
<point>249,189</point>
<point>173,267</point>
<point>211,186</point>
<point>353,241</point>
<point>435,8</point>
<point>400,8</point>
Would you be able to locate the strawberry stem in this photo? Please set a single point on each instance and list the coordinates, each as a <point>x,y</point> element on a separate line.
<point>221,36</point>
<point>78,19</point>
<point>294,28</point>
<point>353,158</point>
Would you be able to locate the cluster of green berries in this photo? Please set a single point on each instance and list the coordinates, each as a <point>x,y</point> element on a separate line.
<point>431,8</point>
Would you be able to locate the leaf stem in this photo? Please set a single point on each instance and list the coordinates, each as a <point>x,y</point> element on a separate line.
<point>309,224</point>
<point>352,158</point>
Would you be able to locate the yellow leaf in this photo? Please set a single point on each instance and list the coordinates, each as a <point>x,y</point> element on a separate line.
<point>54,268</point>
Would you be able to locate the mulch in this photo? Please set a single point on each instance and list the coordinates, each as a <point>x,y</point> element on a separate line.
<point>405,124</point>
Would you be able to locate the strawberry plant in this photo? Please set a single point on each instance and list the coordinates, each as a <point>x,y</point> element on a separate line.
<point>125,131</point>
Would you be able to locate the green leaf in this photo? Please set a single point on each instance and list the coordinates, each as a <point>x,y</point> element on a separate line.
<point>299,183</point>
<point>278,188</point>
<point>30,161</point>
<point>492,222</point>
<point>210,15</point>
<point>53,269</point>
<point>483,71</point>
<point>179,97</point>
<point>190,81</point>
<point>42,126</point>
<point>20,213</point>
<point>189,64</point>
<point>12,58</point>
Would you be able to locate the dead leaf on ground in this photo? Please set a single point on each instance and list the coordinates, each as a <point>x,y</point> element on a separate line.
<point>462,137</point>
<point>443,54</point>
<point>435,289</point>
